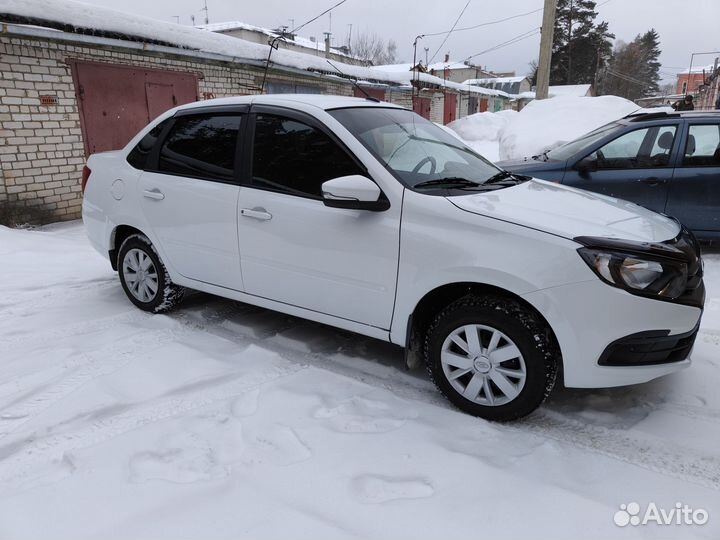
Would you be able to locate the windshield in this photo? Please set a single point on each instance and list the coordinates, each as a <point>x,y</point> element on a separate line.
<point>566,151</point>
<point>414,149</point>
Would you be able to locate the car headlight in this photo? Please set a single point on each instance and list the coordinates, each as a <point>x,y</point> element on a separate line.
<point>638,274</point>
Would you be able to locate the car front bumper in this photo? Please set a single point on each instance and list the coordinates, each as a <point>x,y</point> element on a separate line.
<point>609,337</point>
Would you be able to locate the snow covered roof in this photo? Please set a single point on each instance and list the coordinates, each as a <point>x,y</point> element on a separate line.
<point>77,17</point>
<point>561,90</point>
<point>578,90</point>
<point>699,69</point>
<point>239,25</point>
<point>498,80</point>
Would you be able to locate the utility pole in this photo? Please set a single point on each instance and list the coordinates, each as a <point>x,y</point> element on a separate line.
<point>207,14</point>
<point>427,50</point>
<point>546,43</point>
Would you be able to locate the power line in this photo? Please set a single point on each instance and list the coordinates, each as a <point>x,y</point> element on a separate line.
<point>488,23</point>
<point>274,41</point>
<point>294,30</point>
<point>510,41</point>
<point>451,31</point>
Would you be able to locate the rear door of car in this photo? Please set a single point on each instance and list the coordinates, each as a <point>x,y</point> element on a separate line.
<point>637,165</point>
<point>189,194</point>
<point>694,197</point>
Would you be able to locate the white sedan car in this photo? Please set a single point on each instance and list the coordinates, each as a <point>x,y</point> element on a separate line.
<point>365,216</point>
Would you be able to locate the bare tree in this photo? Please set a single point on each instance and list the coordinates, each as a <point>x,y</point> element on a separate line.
<point>374,49</point>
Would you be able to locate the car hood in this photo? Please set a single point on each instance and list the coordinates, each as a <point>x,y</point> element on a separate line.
<point>569,212</point>
<point>529,164</point>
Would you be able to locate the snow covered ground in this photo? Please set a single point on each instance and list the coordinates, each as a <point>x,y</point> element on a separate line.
<point>222,420</point>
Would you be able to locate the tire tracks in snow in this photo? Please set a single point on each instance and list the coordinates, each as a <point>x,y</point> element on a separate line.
<point>648,452</point>
<point>24,466</point>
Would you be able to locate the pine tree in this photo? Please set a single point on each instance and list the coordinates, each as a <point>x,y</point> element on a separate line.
<point>634,70</point>
<point>580,46</point>
<point>650,41</point>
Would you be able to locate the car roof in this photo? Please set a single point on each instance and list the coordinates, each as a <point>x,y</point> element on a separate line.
<point>670,115</point>
<point>321,101</point>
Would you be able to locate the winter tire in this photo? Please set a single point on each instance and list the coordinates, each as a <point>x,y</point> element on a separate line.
<point>491,357</point>
<point>144,277</point>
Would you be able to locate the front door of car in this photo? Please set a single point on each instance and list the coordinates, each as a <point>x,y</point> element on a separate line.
<point>296,250</point>
<point>636,166</point>
<point>695,190</point>
<point>189,197</point>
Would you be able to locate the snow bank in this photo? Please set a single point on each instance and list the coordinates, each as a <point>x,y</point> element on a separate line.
<point>545,124</point>
<point>481,131</point>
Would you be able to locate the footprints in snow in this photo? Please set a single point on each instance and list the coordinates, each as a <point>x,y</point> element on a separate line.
<point>362,415</point>
<point>379,489</point>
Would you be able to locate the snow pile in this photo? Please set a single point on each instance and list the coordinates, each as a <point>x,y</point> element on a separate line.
<point>481,131</point>
<point>540,126</point>
<point>546,124</point>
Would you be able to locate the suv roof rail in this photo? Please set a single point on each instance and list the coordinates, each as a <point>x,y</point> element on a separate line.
<point>642,116</point>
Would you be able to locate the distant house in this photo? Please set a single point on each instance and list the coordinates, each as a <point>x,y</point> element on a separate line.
<point>510,85</point>
<point>703,83</point>
<point>689,83</point>
<point>456,71</point>
<point>259,34</point>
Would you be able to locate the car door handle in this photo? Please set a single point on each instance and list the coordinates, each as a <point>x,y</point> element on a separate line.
<point>652,180</point>
<point>154,194</point>
<point>256,213</point>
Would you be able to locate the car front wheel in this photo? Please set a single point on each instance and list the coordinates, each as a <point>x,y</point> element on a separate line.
<point>144,277</point>
<point>492,357</point>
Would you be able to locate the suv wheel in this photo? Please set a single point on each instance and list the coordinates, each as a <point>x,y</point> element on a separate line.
<point>144,277</point>
<point>491,357</point>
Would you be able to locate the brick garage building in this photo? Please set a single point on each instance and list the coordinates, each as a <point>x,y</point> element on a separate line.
<point>65,94</point>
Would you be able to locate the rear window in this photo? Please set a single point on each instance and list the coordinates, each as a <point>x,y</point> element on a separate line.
<point>201,146</point>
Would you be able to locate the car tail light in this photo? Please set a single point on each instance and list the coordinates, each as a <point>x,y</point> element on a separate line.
<point>85,178</point>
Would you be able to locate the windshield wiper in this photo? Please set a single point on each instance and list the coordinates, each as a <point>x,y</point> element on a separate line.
<point>503,176</point>
<point>452,182</point>
<point>544,156</point>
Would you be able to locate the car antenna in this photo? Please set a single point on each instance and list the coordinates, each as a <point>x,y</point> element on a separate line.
<point>355,83</point>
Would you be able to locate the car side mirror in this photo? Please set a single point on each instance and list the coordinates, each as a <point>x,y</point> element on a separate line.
<point>354,192</point>
<point>585,167</point>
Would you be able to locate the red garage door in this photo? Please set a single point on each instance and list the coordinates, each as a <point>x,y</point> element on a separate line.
<point>376,93</point>
<point>118,101</point>
<point>422,106</point>
<point>450,108</point>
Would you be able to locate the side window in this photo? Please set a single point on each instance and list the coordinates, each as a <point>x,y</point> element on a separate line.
<point>295,158</point>
<point>639,149</point>
<point>660,152</point>
<point>139,155</point>
<point>703,146</point>
<point>201,146</point>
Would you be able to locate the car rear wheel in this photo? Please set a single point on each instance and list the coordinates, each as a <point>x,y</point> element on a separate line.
<point>144,277</point>
<point>491,357</point>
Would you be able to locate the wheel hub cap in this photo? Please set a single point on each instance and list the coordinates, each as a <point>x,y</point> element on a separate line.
<point>483,365</point>
<point>140,275</point>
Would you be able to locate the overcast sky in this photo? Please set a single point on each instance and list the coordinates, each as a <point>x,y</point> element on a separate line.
<point>685,26</point>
